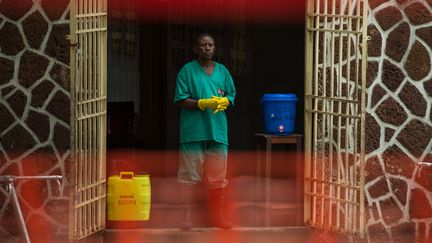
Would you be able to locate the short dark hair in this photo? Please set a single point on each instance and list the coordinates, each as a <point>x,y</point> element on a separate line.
<point>202,35</point>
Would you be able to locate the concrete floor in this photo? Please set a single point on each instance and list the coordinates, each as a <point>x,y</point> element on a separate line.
<point>208,235</point>
<point>214,235</point>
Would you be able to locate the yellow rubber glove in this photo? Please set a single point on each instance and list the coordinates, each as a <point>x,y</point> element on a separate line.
<point>210,103</point>
<point>223,103</point>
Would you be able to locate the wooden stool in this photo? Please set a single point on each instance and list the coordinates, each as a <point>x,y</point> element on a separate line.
<point>269,141</point>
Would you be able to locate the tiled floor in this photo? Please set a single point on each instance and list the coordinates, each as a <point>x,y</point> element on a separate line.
<point>213,235</point>
<point>210,235</point>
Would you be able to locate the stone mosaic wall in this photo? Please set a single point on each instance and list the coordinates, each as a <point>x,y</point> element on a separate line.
<point>399,126</point>
<point>34,108</point>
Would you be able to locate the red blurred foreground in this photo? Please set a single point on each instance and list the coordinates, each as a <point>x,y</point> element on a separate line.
<point>201,11</point>
<point>245,194</point>
<point>205,11</point>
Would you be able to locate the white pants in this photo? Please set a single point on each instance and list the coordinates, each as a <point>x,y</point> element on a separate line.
<point>204,158</point>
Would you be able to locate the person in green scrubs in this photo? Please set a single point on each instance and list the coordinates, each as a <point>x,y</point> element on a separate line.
<point>204,89</point>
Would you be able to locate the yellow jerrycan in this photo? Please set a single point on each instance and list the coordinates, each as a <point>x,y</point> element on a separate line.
<point>128,197</point>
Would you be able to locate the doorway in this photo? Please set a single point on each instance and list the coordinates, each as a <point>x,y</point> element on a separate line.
<point>256,70</point>
<point>262,58</point>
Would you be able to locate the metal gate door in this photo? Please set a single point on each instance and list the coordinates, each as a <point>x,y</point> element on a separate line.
<point>336,58</point>
<point>88,37</point>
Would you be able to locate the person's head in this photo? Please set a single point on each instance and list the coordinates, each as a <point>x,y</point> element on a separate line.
<point>205,47</point>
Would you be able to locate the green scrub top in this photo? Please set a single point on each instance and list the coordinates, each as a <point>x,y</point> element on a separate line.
<point>193,82</point>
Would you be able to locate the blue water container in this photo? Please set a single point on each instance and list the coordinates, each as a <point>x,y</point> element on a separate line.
<point>279,113</point>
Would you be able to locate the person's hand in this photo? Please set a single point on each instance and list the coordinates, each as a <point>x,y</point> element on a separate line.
<point>210,103</point>
<point>223,103</point>
<point>215,103</point>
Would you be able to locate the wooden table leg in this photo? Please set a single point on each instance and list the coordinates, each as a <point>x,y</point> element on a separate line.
<point>299,183</point>
<point>258,181</point>
<point>268,182</point>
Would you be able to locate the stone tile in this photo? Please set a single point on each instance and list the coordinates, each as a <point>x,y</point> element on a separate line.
<point>6,118</point>
<point>430,225</point>
<point>34,193</point>
<point>373,169</point>
<point>422,232</point>
<point>11,42</point>
<point>35,28</point>
<point>11,169</point>
<point>415,137</point>
<point>67,173</point>
<point>372,72</point>
<point>390,111</point>
<point>3,162</point>
<point>375,43</point>
<point>61,138</point>
<point>17,101</point>
<point>379,188</point>
<point>424,176</point>
<point>413,99</point>
<point>61,75</point>
<point>428,87</point>
<point>59,106</point>
<point>375,3</point>
<point>378,234</point>
<point>54,9</point>
<point>377,94</point>
<point>390,211</point>
<point>372,134</point>
<point>399,188</point>
<point>8,220</point>
<point>392,75</point>
<point>6,70</point>
<point>7,90</point>
<point>40,161</point>
<point>418,14</point>
<point>40,93</point>
<point>389,132</point>
<point>375,212</point>
<point>15,9</point>
<point>57,46</point>
<point>425,34</point>
<point>397,42</point>
<point>39,123</point>
<point>418,63</point>
<point>3,196</point>
<point>32,68</point>
<point>17,141</point>
<point>428,157</point>
<point>420,207</point>
<point>404,232</point>
<point>396,162</point>
<point>388,17</point>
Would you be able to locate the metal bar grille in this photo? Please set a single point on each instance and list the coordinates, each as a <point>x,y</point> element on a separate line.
<point>88,116</point>
<point>336,58</point>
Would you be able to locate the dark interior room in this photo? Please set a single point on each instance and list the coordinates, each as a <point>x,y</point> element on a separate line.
<point>262,58</point>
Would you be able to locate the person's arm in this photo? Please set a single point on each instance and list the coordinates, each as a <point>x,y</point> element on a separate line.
<point>188,103</point>
<point>230,91</point>
<point>202,104</point>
